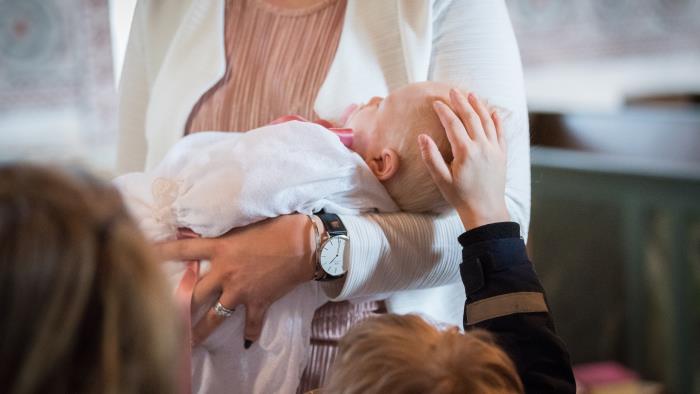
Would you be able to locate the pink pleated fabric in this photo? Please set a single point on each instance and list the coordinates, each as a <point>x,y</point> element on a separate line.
<point>277,60</point>
<point>331,322</point>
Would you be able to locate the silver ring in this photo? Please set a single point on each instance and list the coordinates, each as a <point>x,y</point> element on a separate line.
<point>222,311</point>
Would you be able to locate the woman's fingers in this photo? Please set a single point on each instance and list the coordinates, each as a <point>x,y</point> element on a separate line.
<point>484,115</point>
<point>254,317</point>
<point>467,114</point>
<point>206,326</point>
<point>206,288</point>
<point>185,249</point>
<point>454,128</point>
<point>256,264</point>
<point>434,161</point>
<point>211,320</point>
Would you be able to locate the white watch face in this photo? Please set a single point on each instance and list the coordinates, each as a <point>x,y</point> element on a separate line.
<point>332,255</point>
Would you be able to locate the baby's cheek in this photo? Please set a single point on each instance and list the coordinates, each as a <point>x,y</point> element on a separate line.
<point>347,113</point>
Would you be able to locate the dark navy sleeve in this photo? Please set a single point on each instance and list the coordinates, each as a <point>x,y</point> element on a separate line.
<point>505,297</point>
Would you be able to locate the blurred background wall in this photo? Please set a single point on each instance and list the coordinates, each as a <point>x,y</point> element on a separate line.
<point>613,89</point>
<point>57,95</point>
<point>593,54</point>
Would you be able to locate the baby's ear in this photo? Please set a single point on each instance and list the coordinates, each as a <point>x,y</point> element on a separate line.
<point>386,165</point>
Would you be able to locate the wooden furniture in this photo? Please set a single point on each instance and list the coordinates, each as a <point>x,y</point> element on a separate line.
<point>616,234</point>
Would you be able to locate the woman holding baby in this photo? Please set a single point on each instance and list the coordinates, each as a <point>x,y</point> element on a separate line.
<point>221,65</point>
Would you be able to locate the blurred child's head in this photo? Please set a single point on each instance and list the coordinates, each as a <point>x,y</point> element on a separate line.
<point>84,306</point>
<point>386,136</point>
<point>395,354</point>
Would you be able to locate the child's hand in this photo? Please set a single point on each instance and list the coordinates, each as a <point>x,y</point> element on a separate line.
<point>474,183</point>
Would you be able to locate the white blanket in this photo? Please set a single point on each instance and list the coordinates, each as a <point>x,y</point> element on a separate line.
<point>212,182</point>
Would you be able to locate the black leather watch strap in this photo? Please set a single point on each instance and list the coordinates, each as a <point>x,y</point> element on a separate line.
<point>332,223</point>
<point>332,227</point>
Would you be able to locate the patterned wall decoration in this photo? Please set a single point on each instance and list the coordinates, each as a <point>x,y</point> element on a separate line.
<point>560,30</point>
<point>55,55</point>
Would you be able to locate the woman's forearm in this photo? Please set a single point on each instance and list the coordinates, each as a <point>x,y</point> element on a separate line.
<point>392,252</point>
<point>403,251</point>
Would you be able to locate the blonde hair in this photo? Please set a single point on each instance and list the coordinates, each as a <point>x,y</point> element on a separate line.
<point>411,187</point>
<point>85,307</point>
<point>394,354</point>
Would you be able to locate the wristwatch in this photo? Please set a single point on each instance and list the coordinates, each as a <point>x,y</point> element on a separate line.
<point>330,256</point>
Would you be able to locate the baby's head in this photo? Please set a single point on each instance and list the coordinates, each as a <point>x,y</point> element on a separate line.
<point>402,354</point>
<point>385,134</point>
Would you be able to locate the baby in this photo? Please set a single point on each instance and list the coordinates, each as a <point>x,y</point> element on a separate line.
<point>211,182</point>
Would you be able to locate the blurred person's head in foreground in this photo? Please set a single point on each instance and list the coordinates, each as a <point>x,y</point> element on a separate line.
<point>403,354</point>
<point>85,307</point>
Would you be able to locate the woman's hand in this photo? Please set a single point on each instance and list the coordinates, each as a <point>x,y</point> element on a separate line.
<point>252,266</point>
<point>474,183</point>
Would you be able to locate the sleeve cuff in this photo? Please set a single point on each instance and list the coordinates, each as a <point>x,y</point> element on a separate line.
<point>504,305</point>
<point>490,232</point>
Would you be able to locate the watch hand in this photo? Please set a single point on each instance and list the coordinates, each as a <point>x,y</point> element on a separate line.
<point>332,260</point>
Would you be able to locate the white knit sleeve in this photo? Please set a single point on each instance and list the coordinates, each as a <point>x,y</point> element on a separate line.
<point>473,46</point>
<point>134,93</point>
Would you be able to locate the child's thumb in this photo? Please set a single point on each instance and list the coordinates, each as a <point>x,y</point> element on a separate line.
<point>434,161</point>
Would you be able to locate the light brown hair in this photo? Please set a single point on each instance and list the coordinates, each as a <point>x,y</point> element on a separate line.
<point>85,307</point>
<point>395,354</point>
<point>411,187</point>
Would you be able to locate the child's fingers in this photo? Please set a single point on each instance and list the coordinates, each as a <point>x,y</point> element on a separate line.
<point>498,125</point>
<point>484,115</point>
<point>466,113</point>
<point>434,161</point>
<point>454,128</point>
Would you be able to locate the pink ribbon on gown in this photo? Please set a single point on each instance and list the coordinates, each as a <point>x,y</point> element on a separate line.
<point>344,133</point>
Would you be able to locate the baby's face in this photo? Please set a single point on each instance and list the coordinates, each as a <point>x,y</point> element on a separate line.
<point>372,121</point>
<point>385,130</point>
<point>363,121</point>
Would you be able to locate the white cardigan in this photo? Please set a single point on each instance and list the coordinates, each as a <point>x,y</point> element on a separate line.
<point>176,53</point>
